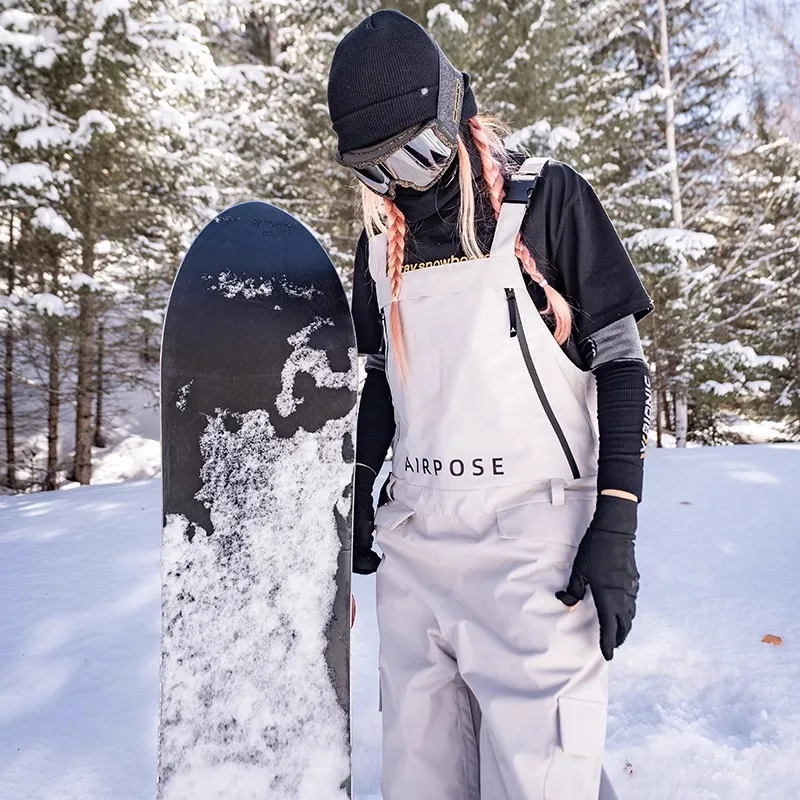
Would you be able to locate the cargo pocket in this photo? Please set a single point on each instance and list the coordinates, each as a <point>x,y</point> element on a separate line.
<point>543,522</point>
<point>389,517</point>
<point>582,726</point>
<point>392,514</point>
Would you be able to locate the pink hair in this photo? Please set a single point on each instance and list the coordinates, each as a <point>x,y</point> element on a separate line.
<point>492,154</point>
<point>395,252</point>
<point>493,160</point>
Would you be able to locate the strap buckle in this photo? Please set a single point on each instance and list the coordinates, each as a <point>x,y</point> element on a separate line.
<point>521,189</point>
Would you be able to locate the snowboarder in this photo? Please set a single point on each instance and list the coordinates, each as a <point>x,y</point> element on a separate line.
<point>498,312</point>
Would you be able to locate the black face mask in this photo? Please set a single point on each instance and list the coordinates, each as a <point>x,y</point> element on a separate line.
<point>417,205</point>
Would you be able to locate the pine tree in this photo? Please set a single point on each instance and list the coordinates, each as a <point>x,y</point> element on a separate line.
<point>672,80</point>
<point>86,163</point>
<point>754,291</point>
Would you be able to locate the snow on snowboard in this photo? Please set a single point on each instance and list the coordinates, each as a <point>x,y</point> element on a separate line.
<point>258,393</point>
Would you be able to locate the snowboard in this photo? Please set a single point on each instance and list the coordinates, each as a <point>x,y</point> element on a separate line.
<point>258,395</point>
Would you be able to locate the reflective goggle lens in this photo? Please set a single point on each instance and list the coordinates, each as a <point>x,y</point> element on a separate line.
<point>374,177</point>
<point>418,163</point>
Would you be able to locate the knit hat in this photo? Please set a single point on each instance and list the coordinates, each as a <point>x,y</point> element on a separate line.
<point>389,75</point>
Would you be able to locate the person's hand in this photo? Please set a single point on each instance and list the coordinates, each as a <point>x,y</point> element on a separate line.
<point>605,562</point>
<point>365,559</point>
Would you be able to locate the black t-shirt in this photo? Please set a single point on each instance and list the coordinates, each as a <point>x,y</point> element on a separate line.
<point>569,235</point>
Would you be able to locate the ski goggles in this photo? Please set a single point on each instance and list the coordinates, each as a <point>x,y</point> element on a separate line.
<point>417,162</point>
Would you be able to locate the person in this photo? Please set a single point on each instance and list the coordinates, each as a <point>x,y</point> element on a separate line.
<point>497,308</point>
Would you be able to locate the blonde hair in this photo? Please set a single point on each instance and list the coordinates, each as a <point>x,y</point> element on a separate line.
<point>381,215</point>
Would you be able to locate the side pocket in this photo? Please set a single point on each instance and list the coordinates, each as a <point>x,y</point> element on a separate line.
<point>389,517</point>
<point>543,522</point>
<point>582,726</point>
<point>392,514</point>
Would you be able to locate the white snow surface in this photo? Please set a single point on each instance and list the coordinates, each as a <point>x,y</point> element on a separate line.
<point>561,136</point>
<point>451,17</point>
<point>17,112</point>
<point>242,75</point>
<point>717,388</point>
<point>679,241</point>
<point>520,137</point>
<point>9,302</point>
<point>14,18</point>
<point>744,353</point>
<point>48,304</point>
<point>51,220</point>
<point>93,121</point>
<point>134,457</point>
<point>755,432</point>
<point>28,175</point>
<point>156,317</point>
<point>700,709</point>
<point>556,137</point>
<point>241,653</point>
<point>80,280</point>
<point>48,136</point>
<point>109,8</point>
<point>183,396</point>
<point>296,290</point>
<point>26,43</point>
<point>230,286</point>
<point>169,118</point>
<point>314,362</point>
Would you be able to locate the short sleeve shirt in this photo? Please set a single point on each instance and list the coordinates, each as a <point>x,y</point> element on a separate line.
<point>571,238</point>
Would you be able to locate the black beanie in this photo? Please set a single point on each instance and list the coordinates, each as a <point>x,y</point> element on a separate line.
<point>384,79</point>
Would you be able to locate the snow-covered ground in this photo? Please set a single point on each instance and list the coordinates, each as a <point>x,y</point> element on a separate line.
<point>701,708</point>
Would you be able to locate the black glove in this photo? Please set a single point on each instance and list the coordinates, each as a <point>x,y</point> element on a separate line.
<point>605,561</point>
<point>365,559</point>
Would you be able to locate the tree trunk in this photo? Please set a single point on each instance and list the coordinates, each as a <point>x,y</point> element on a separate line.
<point>667,406</point>
<point>86,330</point>
<point>262,32</point>
<point>272,39</point>
<point>793,378</point>
<point>53,406</point>
<point>53,380</point>
<point>657,400</point>
<point>681,415</point>
<point>8,369</point>
<point>681,395</point>
<point>672,152</point>
<point>658,384</point>
<point>84,390</point>
<point>99,438</point>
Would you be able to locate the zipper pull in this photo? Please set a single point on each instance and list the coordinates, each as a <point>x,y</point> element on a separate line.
<point>512,312</point>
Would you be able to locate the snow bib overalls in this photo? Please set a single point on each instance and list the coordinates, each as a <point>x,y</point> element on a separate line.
<point>491,688</point>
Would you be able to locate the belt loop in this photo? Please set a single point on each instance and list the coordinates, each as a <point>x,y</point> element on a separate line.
<point>557,491</point>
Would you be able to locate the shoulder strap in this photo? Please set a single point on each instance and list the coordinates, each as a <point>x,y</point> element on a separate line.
<point>532,165</point>
<point>515,204</point>
<point>376,256</point>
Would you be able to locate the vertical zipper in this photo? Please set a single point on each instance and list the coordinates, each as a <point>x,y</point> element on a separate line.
<point>512,312</point>
<point>517,331</point>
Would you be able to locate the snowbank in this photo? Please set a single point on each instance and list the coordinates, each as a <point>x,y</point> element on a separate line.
<point>701,708</point>
<point>134,458</point>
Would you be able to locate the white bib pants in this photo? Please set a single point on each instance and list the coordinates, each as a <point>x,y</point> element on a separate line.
<point>492,689</point>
